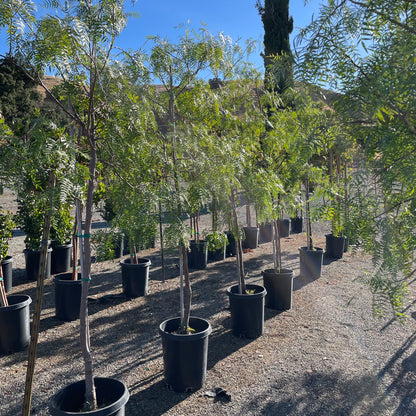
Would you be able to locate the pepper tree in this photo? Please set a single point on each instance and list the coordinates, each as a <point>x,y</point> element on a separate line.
<point>77,43</point>
<point>365,50</point>
<point>177,67</point>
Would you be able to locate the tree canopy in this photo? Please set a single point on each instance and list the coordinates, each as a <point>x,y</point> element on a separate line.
<point>366,51</point>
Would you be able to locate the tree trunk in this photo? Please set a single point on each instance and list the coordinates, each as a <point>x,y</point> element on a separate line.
<point>90,396</point>
<point>277,250</point>
<point>309,241</point>
<point>239,247</point>
<point>3,297</point>
<point>187,291</point>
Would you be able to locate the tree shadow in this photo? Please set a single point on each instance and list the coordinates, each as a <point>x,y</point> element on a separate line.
<point>399,374</point>
<point>300,281</point>
<point>222,343</point>
<point>321,393</point>
<point>148,401</point>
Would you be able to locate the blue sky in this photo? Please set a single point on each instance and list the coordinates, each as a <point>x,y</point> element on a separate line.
<point>238,19</point>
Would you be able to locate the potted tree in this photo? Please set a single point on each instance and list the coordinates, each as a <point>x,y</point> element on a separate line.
<point>137,221</point>
<point>246,300</point>
<point>184,338</point>
<point>84,66</point>
<point>30,216</point>
<point>61,235</point>
<point>336,211</point>
<point>236,129</point>
<point>14,309</point>
<point>217,245</point>
<point>6,229</point>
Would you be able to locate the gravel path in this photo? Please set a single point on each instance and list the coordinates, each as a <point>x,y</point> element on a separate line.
<point>326,356</point>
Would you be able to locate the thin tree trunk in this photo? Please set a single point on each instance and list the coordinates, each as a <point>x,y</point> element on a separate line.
<point>187,293</point>
<point>181,290</point>
<point>30,371</point>
<point>248,215</point>
<point>90,395</point>
<point>239,247</point>
<point>162,249</point>
<point>3,297</point>
<point>277,252</point>
<point>309,242</point>
<point>75,249</point>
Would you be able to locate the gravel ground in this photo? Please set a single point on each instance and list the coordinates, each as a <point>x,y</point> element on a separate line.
<point>325,356</point>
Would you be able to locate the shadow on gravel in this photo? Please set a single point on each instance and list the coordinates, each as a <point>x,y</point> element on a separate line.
<point>148,401</point>
<point>399,376</point>
<point>320,393</point>
<point>222,343</point>
<point>300,281</point>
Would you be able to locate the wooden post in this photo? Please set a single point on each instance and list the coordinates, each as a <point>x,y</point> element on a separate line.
<point>38,305</point>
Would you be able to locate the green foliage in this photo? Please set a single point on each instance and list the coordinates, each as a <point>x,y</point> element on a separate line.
<point>6,227</point>
<point>62,224</point>
<point>105,244</point>
<point>216,240</point>
<point>29,166</point>
<point>30,217</point>
<point>18,95</point>
<point>366,51</point>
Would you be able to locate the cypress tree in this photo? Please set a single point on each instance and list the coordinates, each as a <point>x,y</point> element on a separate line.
<point>277,28</point>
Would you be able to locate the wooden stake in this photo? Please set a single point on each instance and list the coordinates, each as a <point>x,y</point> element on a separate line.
<point>38,305</point>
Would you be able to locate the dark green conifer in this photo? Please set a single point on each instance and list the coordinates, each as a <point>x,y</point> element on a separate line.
<point>277,28</point>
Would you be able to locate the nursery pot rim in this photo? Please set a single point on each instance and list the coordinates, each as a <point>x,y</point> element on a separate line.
<point>7,259</point>
<point>185,337</point>
<point>29,250</point>
<point>65,281</point>
<point>281,273</point>
<point>24,301</point>
<point>141,262</point>
<point>335,236</point>
<point>305,248</point>
<point>258,294</point>
<point>63,245</point>
<point>107,410</point>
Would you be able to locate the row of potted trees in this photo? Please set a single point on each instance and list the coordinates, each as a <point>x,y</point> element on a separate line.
<point>169,149</point>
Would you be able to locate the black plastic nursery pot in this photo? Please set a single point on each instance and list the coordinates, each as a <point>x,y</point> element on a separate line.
<point>7,267</point>
<point>217,255</point>
<point>334,247</point>
<point>185,355</point>
<point>247,311</point>
<point>284,227</point>
<point>279,286</point>
<point>265,233</point>
<point>15,324</point>
<point>296,225</point>
<point>311,262</point>
<point>67,296</point>
<point>32,259</point>
<point>61,258</point>
<point>135,277</point>
<point>198,254</point>
<point>112,396</point>
<point>251,239</point>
